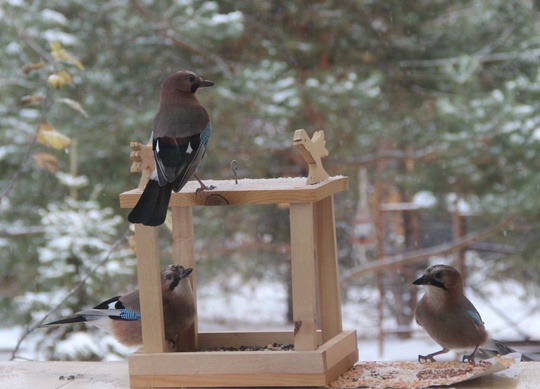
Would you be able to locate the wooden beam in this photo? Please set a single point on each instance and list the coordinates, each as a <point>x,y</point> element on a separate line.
<point>183,243</point>
<point>303,277</point>
<point>149,276</point>
<point>248,191</point>
<point>327,268</point>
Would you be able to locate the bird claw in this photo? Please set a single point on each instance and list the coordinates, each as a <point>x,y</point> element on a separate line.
<point>426,358</point>
<point>172,344</point>
<point>204,187</point>
<point>468,359</point>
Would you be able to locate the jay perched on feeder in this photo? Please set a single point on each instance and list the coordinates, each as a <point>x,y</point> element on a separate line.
<point>121,315</point>
<point>180,137</point>
<point>447,315</point>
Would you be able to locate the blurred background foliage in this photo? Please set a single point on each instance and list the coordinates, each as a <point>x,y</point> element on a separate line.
<point>449,88</point>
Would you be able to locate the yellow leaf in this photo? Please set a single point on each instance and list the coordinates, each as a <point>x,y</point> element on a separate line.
<point>32,99</point>
<point>65,76</point>
<point>45,126</point>
<point>59,79</point>
<point>56,81</point>
<point>48,136</point>
<point>46,161</point>
<point>26,69</point>
<point>60,54</point>
<point>74,105</point>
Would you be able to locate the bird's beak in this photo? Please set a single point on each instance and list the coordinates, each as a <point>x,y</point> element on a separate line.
<point>205,83</point>
<point>185,273</point>
<point>422,281</point>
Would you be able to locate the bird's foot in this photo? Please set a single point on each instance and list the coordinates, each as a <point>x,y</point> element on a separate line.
<point>172,344</point>
<point>426,358</point>
<point>468,359</point>
<point>204,187</point>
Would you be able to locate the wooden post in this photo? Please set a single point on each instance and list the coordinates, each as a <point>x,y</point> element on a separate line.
<point>183,242</point>
<point>327,268</point>
<point>149,276</point>
<point>303,277</point>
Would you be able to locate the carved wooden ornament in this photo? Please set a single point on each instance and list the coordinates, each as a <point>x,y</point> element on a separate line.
<point>312,150</point>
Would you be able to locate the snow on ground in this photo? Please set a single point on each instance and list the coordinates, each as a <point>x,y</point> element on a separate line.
<point>260,305</point>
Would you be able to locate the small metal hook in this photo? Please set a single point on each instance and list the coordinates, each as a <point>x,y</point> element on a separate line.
<point>234,168</point>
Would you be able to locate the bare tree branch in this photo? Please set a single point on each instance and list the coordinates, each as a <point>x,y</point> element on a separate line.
<point>428,152</point>
<point>411,257</point>
<point>259,246</point>
<point>29,329</point>
<point>166,31</point>
<point>481,58</point>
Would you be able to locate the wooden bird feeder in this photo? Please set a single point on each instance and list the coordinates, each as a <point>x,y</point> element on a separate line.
<point>322,350</point>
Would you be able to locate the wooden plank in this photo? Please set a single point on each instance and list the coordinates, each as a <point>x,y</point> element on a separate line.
<point>251,368</point>
<point>212,340</point>
<point>248,191</point>
<point>230,380</point>
<point>341,367</point>
<point>149,277</point>
<point>226,362</point>
<point>303,277</point>
<point>183,243</point>
<point>339,347</point>
<point>327,268</point>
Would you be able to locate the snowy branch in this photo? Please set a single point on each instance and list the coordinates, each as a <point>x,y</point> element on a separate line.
<point>28,330</point>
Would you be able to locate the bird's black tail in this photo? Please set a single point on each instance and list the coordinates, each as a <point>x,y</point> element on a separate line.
<point>493,347</point>
<point>151,210</point>
<point>69,320</point>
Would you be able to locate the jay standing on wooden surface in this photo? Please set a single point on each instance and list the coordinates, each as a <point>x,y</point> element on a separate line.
<point>447,315</point>
<point>121,315</point>
<point>180,137</point>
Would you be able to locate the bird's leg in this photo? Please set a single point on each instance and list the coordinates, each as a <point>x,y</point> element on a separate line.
<point>429,357</point>
<point>470,358</point>
<point>203,186</point>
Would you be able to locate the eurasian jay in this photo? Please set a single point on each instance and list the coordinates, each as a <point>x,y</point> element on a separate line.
<point>447,315</point>
<point>180,137</point>
<point>121,315</point>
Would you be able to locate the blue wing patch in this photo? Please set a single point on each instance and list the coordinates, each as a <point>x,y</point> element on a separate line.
<point>205,135</point>
<point>475,316</point>
<point>126,314</point>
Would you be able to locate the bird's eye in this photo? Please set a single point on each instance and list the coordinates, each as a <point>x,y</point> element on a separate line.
<point>191,79</point>
<point>438,275</point>
<point>169,276</point>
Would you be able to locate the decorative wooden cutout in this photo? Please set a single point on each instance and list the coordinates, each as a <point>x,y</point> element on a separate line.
<point>312,150</point>
<point>142,157</point>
